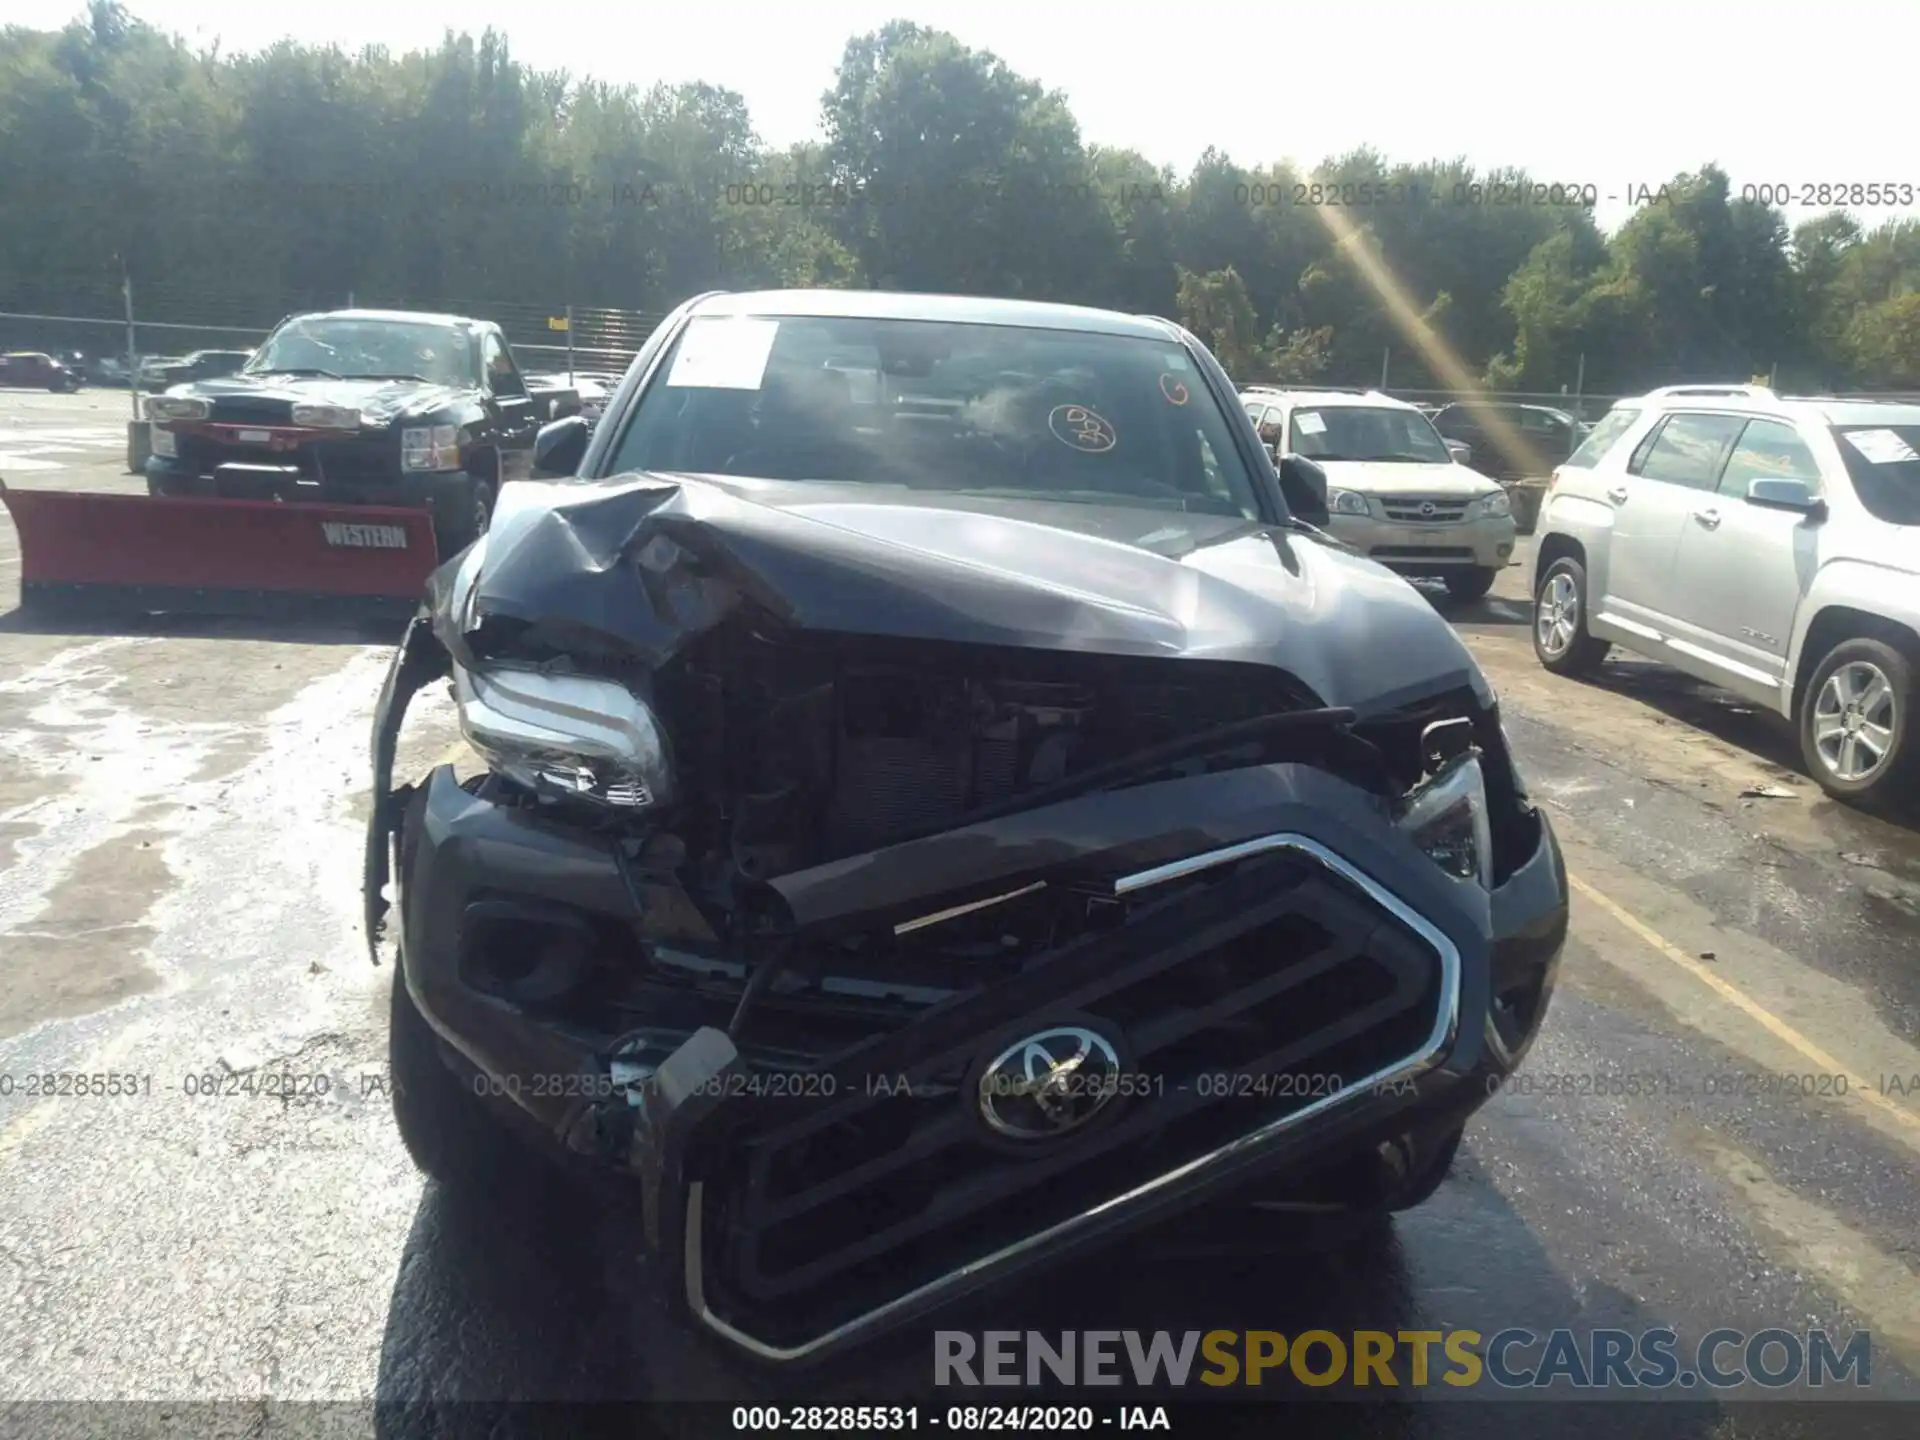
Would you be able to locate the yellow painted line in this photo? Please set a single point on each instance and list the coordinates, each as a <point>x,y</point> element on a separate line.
<point>34,1117</point>
<point>1740,1000</point>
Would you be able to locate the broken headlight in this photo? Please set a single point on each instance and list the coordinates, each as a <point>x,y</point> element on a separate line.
<point>1446,816</point>
<point>327,417</point>
<point>162,408</point>
<point>568,736</point>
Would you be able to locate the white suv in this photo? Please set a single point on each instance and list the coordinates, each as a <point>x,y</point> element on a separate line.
<point>1396,490</point>
<point>1767,544</point>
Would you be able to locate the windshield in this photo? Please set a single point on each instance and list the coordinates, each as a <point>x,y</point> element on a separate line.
<point>1884,463</point>
<point>1599,439</point>
<point>986,410</point>
<point>1367,432</point>
<point>368,348</point>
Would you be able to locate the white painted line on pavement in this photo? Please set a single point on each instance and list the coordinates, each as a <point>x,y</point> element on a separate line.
<point>88,436</point>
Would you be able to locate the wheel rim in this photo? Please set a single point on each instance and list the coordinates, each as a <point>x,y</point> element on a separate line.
<point>1854,721</point>
<point>1556,614</point>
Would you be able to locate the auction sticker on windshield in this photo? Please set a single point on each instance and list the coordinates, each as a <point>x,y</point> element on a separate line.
<point>1081,428</point>
<point>1882,447</point>
<point>717,354</point>
<point>1310,423</point>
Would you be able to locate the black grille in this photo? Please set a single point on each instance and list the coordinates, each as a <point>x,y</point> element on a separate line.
<point>243,409</point>
<point>1444,511</point>
<point>357,459</point>
<point>1281,969</point>
<point>324,461</point>
<point>204,455</point>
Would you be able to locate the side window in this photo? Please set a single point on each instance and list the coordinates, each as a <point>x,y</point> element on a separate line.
<point>1601,438</point>
<point>1768,450</point>
<point>1688,450</point>
<point>501,374</point>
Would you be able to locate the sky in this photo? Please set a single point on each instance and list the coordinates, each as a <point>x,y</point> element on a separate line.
<point>1615,97</point>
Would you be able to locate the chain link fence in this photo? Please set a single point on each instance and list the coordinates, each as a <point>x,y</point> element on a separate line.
<point>546,338</point>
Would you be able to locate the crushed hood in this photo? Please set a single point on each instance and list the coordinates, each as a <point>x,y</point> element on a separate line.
<point>381,400</point>
<point>643,563</point>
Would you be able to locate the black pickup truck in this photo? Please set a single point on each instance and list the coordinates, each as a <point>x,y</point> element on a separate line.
<point>371,407</point>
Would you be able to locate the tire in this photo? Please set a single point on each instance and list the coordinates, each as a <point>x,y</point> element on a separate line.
<point>1420,1187</point>
<point>1861,688</point>
<point>1470,584</point>
<point>1367,1232</point>
<point>1569,650</point>
<point>459,531</point>
<point>444,1125</point>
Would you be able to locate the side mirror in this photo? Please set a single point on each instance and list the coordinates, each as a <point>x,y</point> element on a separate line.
<point>1304,484</point>
<point>1785,495</point>
<point>559,447</point>
<point>1461,451</point>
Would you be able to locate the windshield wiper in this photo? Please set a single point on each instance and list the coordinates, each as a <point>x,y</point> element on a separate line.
<point>384,375</point>
<point>294,370</point>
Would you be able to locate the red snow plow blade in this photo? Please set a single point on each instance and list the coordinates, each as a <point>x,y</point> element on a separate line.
<point>135,553</point>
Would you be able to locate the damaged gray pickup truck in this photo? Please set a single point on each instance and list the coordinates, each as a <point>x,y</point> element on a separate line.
<point>947,807</point>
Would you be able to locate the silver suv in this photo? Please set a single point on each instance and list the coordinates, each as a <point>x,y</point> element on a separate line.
<point>1396,490</point>
<point>1767,544</point>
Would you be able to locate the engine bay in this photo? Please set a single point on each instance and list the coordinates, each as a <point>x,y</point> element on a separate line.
<point>797,753</point>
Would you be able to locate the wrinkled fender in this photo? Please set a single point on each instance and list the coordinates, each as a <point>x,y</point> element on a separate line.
<point>419,661</point>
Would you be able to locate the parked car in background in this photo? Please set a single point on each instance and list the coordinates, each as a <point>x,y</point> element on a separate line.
<point>1511,442</point>
<point>1395,490</point>
<point>106,370</point>
<point>153,370</point>
<point>594,391</point>
<point>37,370</point>
<point>203,365</point>
<point>1767,544</point>
<point>360,407</point>
<point>590,391</point>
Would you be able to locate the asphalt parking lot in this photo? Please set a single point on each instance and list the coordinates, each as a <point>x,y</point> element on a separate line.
<point>180,831</point>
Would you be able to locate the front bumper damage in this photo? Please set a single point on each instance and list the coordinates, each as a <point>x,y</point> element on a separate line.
<point>1286,981</point>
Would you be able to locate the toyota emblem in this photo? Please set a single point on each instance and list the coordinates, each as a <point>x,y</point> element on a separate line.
<point>1049,1084</point>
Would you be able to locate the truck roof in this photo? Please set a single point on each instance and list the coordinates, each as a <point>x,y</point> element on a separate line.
<point>957,309</point>
<point>416,317</point>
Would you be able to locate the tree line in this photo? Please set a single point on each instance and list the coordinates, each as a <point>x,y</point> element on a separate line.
<point>247,185</point>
